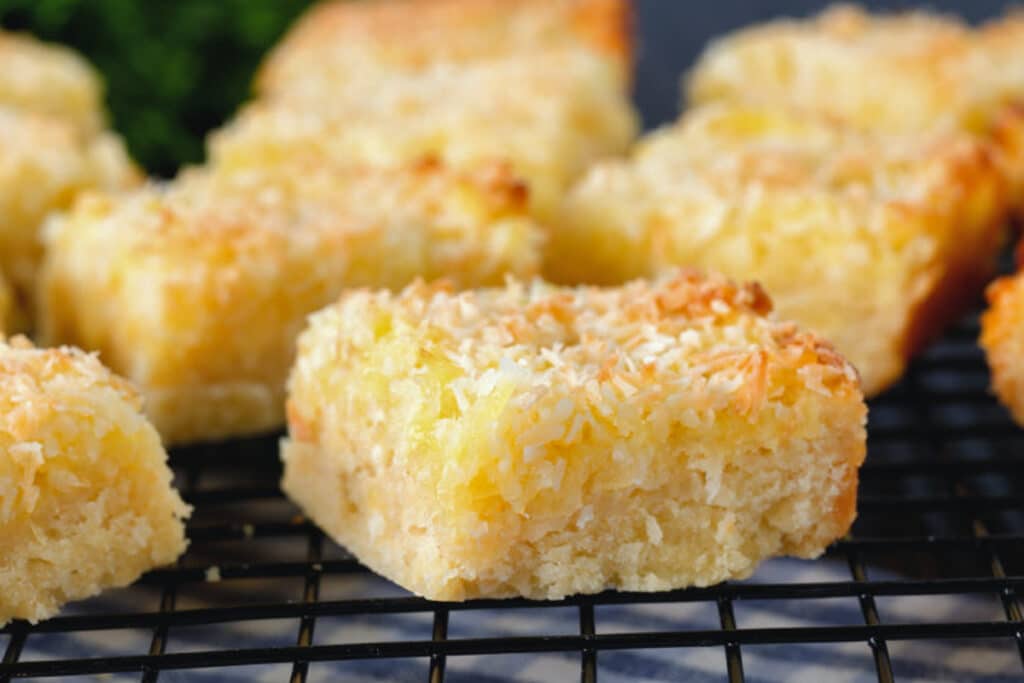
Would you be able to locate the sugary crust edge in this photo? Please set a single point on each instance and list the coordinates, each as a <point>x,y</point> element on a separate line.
<point>494,183</point>
<point>687,291</point>
<point>965,271</point>
<point>50,362</point>
<point>952,296</point>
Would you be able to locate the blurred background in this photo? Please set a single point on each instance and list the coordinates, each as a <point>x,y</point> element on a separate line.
<point>177,68</point>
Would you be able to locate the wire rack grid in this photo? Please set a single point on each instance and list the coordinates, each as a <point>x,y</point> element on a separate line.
<point>939,518</point>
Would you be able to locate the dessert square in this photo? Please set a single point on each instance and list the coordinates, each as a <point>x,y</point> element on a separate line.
<point>196,289</point>
<point>874,240</point>
<point>548,114</point>
<point>542,441</point>
<point>86,501</point>
<point>44,163</point>
<point>898,72</point>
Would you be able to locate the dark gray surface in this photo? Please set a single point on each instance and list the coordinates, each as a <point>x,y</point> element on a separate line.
<point>673,32</point>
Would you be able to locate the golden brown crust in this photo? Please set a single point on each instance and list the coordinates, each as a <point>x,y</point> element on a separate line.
<point>954,294</point>
<point>968,258</point>
<point>586,323</point>
<point>1002,337</point>
<point>1006,32</point>
<point>25,373</point>
<point>609,26</point>
<point>967,265</point>
<point>550,114</point>
<point>1006,129</point>
<point>692,293</point>
<point>844,508</point>
<point>900,70</point>
<point>793,58</point>
<point>7,309</point>
<point>406,35</point>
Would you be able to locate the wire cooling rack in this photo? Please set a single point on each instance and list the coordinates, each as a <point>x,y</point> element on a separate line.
<point>925,588</point>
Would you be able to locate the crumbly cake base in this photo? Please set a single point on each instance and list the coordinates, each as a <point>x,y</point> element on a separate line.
<point>636,540</point>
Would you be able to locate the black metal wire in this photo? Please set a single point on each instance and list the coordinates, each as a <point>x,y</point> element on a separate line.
<point>1008,596</point>
<point>920,468</point>
<point>19,634</point>
<point>519,645</point>
<point>169,595</point>
<point>310,594</point>
<point>440,633</point>
<point>588,673</point>
<point>879,650</point>
<point>733,656</point>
